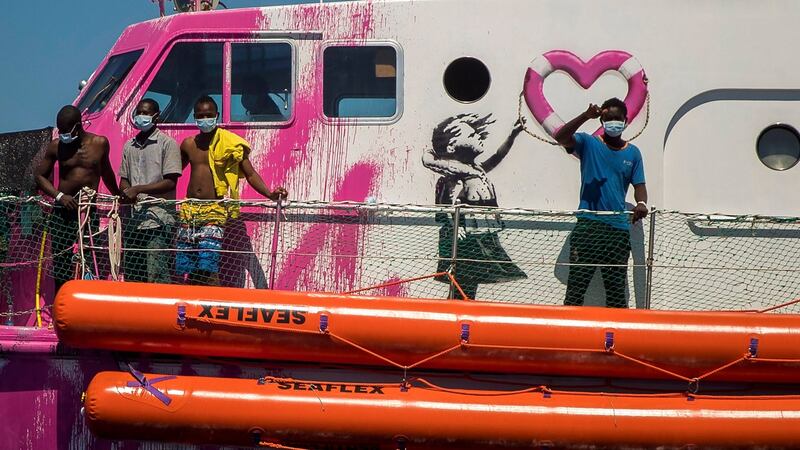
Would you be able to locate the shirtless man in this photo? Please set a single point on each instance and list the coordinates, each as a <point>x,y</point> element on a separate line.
<point>202,223</point>
<point>82,159</point>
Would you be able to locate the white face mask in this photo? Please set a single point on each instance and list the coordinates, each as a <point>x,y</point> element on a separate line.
<point>143,122</point>
<point>614,128</point>
<point>68,138</point>
<point>206,125</point>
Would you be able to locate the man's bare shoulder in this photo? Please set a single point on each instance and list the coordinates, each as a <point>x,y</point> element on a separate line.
<point>97,139</point>
<point>52,147</point>
<point>188,144</point>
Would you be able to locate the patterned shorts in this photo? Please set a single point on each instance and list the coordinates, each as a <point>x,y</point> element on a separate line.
<point>198,249</point>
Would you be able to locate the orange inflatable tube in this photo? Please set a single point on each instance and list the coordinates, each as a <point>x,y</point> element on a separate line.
<point>430,334</point>
<point>282,412</point>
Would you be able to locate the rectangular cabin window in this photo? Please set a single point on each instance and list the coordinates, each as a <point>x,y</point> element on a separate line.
<point>108,81</point>
<point>261,82</point>
<point>360,81</point>
<point>192,70</point>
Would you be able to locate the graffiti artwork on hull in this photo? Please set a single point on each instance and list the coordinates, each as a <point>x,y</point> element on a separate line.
<point>456,144</point>
<point>457,156</point>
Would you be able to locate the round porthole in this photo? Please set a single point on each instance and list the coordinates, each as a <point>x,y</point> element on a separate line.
<point>467,79</point>
<point>778,147</point>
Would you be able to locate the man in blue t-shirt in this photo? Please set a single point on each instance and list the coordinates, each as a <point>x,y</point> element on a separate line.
<point>609,165</point>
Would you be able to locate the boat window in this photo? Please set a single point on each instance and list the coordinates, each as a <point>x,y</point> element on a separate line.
<point>108,81</point>
<point>192,70</point>
<point>467,79</point>
<point>261,82</point>
<point>360,81</point>
<point>778,147</point>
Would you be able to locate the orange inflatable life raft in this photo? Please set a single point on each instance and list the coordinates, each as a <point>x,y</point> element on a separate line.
<point>283,412</point>
<point>430,334</point>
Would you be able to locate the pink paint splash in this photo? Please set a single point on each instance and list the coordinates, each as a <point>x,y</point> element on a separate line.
<point>396,290</point>
<point>40,397</point>
<point>298,269</point>
<point>320,149</point>
<point>309,145</point>
<point>310,158</point>
<point>349,22</point>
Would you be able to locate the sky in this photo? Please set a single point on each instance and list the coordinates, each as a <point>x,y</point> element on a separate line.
<point>49,46</point>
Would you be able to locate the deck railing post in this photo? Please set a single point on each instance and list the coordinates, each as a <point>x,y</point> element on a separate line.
<point>273,262</point>
<point>650,259</point>
<point>9,297</point>
<point>454,248</point>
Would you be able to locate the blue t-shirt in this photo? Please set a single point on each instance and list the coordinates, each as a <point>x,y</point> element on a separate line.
<point>605,176</point>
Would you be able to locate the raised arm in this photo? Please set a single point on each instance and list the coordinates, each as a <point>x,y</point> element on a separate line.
<point>565,136</point>
<point>255,180</point>
<point>504,148</point>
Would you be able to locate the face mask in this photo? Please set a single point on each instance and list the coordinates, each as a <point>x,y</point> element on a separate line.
<point>67,138</point>
<point>206,125</point>
<point>143,122</point>
<point>614,128</point>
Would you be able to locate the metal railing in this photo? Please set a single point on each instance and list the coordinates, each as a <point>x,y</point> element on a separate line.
<point>677,260</point>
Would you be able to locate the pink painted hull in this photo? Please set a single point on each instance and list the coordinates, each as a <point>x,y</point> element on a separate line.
<point>39,388</point>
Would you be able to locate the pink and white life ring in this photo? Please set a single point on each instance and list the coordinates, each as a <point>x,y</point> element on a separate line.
<point>585,73</point>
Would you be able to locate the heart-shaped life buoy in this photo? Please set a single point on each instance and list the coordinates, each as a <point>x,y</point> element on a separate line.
<point>585,73</point>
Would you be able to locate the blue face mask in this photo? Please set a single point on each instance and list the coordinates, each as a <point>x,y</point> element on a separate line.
<point>67,138</point>
<point>206,125</point>
<point>614,128</point>
<point>143,122</point>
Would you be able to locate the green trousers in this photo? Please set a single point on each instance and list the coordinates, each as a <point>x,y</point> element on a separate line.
<point>596,243</point>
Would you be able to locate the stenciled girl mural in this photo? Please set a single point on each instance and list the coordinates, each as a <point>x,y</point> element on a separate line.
<point>457,142</point>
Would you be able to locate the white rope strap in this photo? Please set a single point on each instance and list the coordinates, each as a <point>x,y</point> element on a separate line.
<point>114,239</point>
